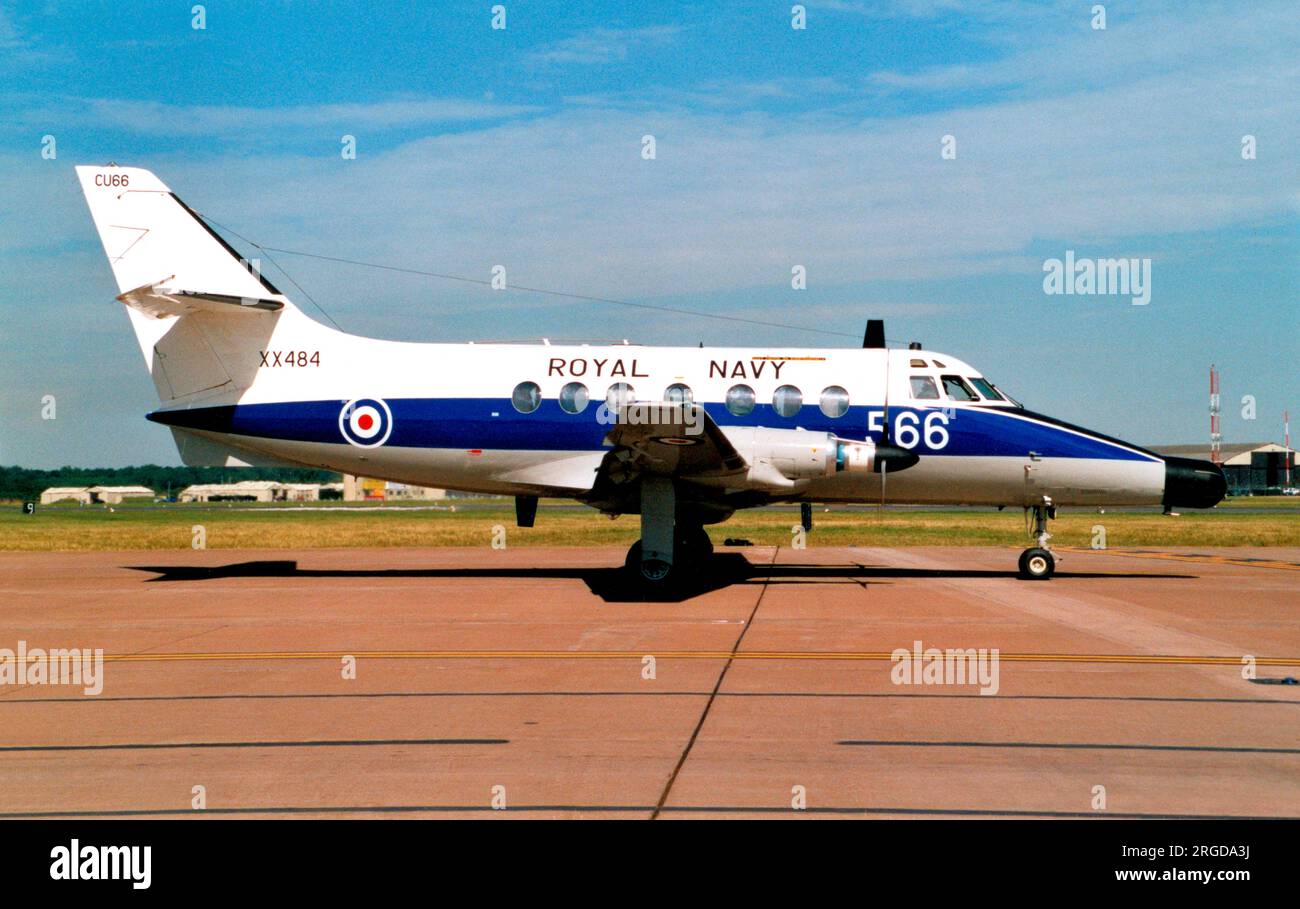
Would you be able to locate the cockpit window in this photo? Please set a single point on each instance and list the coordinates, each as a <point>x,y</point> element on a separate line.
<point>923,388</point>
<point>958,390</point>
<point>1008,397</point>
<point>986,388</point>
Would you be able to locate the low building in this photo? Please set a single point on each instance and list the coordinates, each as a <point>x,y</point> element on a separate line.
<point>80,494</point>
<point>250,491</point>
<point>299,492</point>
<point>113,495</point>
<point>95,495</point>
<point>404,492</point>
<point>364,489</point>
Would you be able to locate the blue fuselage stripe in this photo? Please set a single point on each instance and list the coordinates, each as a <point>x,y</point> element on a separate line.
<point>494,424</point>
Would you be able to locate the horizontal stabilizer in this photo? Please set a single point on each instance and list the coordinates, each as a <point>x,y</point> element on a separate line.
<point>200,451</point>
<point>161,300</point>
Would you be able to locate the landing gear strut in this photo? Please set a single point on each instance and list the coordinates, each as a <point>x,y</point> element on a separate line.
<point>669,548</point>
<point>1037,563</point>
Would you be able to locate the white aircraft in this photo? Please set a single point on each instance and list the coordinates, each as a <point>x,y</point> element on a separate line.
<point>681,436</point>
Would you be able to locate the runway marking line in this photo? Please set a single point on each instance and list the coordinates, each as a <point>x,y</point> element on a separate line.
<point>864,656</point>
<point>1190,557</point>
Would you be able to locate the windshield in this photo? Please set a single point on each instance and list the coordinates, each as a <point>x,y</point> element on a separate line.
<point>958,390</point>
<point>986,388</point>
<point>1002,394</point>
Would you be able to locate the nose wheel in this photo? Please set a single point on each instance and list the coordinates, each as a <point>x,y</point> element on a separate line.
<point>1037,563</point>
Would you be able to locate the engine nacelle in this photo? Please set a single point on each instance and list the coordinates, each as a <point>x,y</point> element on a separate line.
<point>798,454</point>
<point>855,457</point>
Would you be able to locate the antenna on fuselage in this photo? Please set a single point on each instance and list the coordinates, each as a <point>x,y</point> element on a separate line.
<point>875,335</point>
<point>874,339</point>
<point>884,434</point>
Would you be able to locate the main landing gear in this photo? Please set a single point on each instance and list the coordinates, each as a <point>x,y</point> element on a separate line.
<point>1037,563</point>
<point>669,549</point>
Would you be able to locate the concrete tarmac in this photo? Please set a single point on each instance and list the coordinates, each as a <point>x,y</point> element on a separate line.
<point>536,679</point>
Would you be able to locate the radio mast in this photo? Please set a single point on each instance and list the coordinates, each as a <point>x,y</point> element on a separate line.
<point>1215,436</point>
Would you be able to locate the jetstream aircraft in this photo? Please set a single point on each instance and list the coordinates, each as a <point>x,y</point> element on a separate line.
<point>681,436</point>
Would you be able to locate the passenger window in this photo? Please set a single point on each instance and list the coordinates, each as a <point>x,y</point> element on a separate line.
<point>918,363</point>
<point>986,389</point>
<point>835,401</point>
<point>620,394</point>
<point>787,400</point>
<point>740,400</point>
<point>940,365</point>
<point>958,390</point>
<point>527,397</point>
<point>679,394</point>
<point>924,389</point>
<point>574,398</point>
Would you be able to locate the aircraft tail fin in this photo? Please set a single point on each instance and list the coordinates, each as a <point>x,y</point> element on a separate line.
<point>199,310</point>
<point>151,237</point>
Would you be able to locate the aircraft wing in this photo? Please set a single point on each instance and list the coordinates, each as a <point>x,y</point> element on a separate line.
<point>671,440</point>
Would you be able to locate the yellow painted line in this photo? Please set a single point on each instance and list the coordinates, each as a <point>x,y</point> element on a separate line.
<point>676,655</point>
<point>1182,557</point>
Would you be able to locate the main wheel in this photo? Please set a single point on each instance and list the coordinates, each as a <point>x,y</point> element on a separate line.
<point>694,545</point>
<point>1036,564</point>
<point>655,573</point>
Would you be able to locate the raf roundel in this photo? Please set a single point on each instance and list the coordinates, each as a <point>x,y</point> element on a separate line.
<point>366,422</point>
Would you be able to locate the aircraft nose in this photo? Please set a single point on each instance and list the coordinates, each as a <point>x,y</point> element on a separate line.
<point>1193,484</point>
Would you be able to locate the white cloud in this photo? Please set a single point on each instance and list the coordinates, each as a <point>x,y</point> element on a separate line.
<point>733,199</point>
<point>602,45</point>
<point>17,49</point>
<point>1059,51</point>
<point>239,123</point>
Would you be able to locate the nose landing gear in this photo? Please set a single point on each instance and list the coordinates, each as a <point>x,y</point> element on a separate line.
<point>1037,563</point>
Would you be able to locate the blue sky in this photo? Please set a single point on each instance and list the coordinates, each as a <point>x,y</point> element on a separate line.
<point>774,147</point>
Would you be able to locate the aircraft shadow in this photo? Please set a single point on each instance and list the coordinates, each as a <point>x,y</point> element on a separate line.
<point>613,584</point>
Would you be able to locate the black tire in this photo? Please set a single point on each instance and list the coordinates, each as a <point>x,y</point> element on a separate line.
<point>653,575</point>
<point>1036,564</point>
<point>694,545</point>
<point>633,561</point>
<point>691,553</point>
